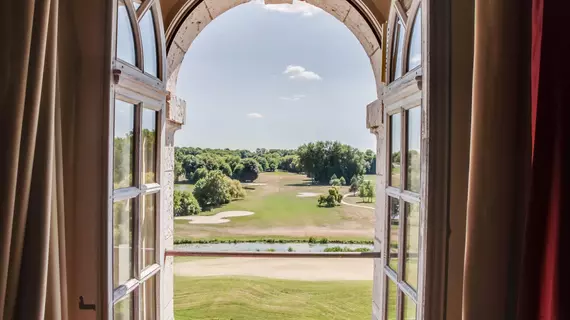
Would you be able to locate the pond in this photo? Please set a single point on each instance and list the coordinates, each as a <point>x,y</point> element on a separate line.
<point>277,247</point>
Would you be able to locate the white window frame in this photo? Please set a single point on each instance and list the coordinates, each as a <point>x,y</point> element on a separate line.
<point>131,84</point>
<point>400,95</point>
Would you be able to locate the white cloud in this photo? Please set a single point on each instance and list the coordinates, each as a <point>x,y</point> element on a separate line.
<point>298,7</point>
<point>254,115</point>
<point>298,72</point>
<point>294,97</point>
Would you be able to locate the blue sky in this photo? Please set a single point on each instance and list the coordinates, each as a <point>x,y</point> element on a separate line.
<point>275,77</point>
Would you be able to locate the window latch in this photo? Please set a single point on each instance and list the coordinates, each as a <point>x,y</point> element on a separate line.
<point>83,306</point>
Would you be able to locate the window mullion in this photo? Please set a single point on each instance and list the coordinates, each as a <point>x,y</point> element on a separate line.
<point>403,150</point>
<point>138,184</point>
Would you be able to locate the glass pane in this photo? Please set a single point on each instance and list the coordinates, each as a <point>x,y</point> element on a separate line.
<point>409,308</point>
<point>122,241</point>
<point>394,232</point>
<point>412,244</point>
<point>149,145</point>
<point>395,132</point>
<point>148,299</point>
<point>413,132</point>
<point>125,38</point>
<point>148,37</point>
<point>391,300</point>
<point>123,310</point>
<point>397,51</point>
<point>123,145</point>
<point>148,230</point>
<point>415,53</point>
<point>136,4</point>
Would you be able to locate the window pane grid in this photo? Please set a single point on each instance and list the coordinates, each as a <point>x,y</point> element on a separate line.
<point>136,163</point>
<point>142,232</point>
<point>403,203</point>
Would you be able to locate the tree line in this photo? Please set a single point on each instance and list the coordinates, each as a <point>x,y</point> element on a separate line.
<point>318,160</point>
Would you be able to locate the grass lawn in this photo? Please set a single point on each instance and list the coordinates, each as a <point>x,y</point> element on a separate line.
<point>245,298</point>
<point>280,213</point>
<point>358,200</point>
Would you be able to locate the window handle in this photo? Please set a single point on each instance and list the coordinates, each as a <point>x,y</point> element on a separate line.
<point>83,306</point>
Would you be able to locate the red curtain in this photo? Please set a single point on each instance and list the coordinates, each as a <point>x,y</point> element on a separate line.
<point>547,246</point>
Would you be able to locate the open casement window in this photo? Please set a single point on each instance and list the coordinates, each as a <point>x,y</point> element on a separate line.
<point>400,281</point>
<point>136,122</point>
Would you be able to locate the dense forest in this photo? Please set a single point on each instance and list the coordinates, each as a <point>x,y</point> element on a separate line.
<point>318,160</point>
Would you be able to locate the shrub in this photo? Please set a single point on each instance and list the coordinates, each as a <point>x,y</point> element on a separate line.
<point>335,182</point>
<point>290,249</point>
<point>345,249</point>
<point>212,190</point>
<point>334,198</point>
<point>185,204</point>
<point>235,188</point>
<point>333,179</point>
<point>366,191</point>
<point>355,183</point>
<point>342,181</point>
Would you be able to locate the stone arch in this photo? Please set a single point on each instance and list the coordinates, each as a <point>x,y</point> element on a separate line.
<point>191,17</point>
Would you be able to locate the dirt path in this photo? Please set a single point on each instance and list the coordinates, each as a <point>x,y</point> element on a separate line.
<point>353,205</point>
<point>287,269</point>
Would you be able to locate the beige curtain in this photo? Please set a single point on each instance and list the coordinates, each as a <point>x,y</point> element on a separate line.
<point>32,258</point>
<point>499,159</point>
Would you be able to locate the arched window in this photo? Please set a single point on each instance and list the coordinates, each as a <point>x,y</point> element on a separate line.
<point>415,53</point>
<point>397,50</point>
<point>137,40</point>
<point>401,287</point>
<point>137,116</point>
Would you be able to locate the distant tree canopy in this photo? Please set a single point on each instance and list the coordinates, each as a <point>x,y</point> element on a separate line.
<point>323,159</point>
<point>319,160</point>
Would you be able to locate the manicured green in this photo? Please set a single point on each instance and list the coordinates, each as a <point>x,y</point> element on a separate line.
<point>248,298</point>
<point>281,213</point>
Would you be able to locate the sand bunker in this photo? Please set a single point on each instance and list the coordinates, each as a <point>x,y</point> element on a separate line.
<point>307,194</point>
<point>217,218</point>
<point>289,269</point>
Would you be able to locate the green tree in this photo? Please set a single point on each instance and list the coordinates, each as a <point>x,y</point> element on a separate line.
<point>355,183</point>
<point>235,189</point>
<point>332,179</point>
<point>367,191</point>
<point>212,190</point>
<point>178,170</point>
<point>334,198</point>
<point>342,181</point>
<point>185,204</point>
<point>250,170</point>
<point>226,169</point>
<point>321,159</point>
<point>199,174</point>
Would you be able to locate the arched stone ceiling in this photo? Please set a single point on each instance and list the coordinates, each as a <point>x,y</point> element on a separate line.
<point>185,19</point>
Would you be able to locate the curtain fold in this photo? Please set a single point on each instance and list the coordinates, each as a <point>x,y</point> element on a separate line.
<point>32,257</point>
<point>546,243</point>
<point>500,159</point>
